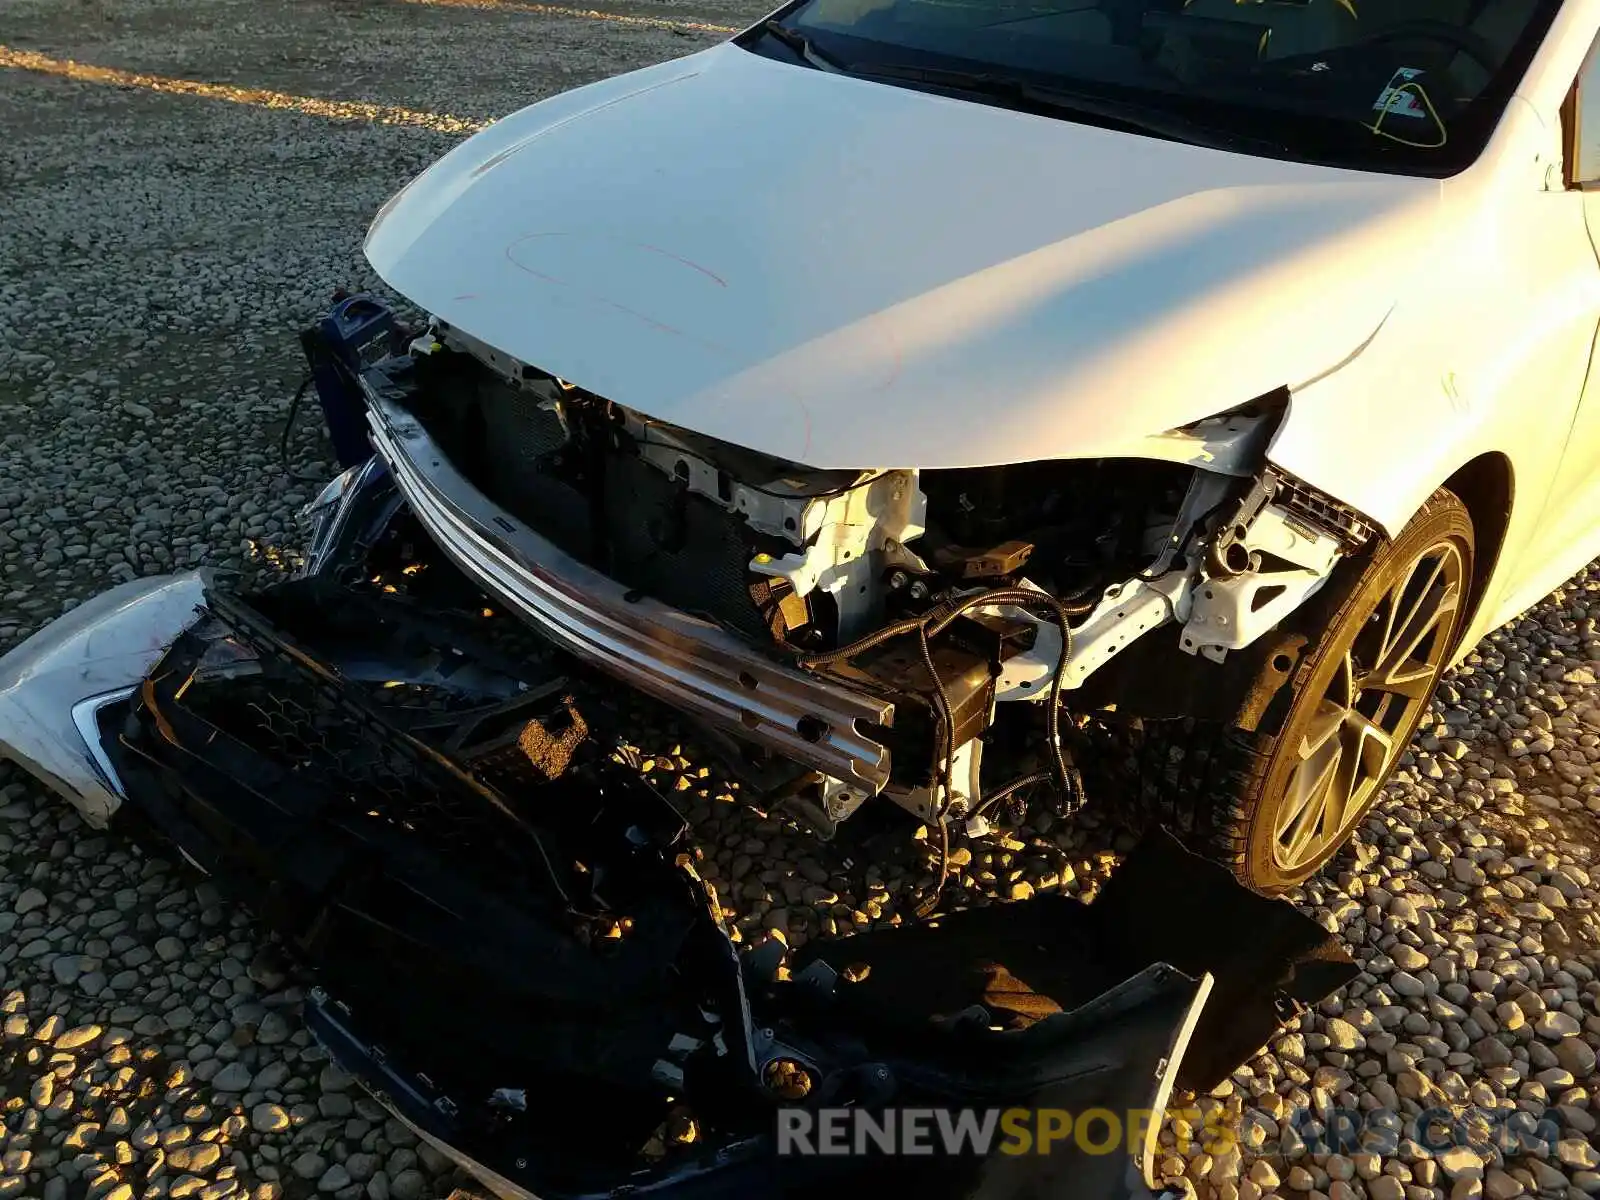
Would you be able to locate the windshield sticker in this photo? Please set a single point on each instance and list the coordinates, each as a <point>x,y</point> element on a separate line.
<point>1406,96</point>
<point>1400,98</point>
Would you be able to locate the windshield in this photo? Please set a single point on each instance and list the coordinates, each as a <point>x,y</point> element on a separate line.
<point>1412,86</point>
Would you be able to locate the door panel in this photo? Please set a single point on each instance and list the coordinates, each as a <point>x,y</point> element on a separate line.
<point>1568,532</point>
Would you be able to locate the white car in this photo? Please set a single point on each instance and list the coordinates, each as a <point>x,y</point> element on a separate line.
<point>1252,341</point>
<point>956,401</point>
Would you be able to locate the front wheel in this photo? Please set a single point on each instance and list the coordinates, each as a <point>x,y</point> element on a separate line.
<point>1275,806</point>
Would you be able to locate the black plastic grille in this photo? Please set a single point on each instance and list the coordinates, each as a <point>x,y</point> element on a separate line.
<point>313,728</point>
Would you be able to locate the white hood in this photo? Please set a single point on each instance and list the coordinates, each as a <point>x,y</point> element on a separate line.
<point>852,274</point>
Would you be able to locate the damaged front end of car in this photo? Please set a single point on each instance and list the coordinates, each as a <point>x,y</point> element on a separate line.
<point>511,945</point>
<point>399,760</point>
<point>513,950</point>
<point>923,635</point>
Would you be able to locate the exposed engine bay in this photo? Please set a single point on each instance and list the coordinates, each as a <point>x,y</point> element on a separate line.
<point>949,611</point>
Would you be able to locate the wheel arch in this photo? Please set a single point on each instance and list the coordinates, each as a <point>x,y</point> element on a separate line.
<point>1486,485</point>
<point>1241,691</point>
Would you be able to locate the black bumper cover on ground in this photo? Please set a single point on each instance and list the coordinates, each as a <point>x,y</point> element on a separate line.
<point>511,951</point>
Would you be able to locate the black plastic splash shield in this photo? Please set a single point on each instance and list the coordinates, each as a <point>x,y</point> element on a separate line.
<point>1110,1061</point>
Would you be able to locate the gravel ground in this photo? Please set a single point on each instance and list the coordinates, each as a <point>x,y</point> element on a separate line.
<point>160,242</point>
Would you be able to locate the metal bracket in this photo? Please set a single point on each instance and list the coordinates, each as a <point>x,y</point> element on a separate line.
<point>1229,555</point>
<point>930,805</point>
<point>1231,610</point>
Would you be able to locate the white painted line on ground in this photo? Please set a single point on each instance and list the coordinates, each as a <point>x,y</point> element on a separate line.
<point>587,14</point>
<point>336,110</point>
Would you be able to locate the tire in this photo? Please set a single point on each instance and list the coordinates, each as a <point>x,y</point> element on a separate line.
<point>1229,792</point>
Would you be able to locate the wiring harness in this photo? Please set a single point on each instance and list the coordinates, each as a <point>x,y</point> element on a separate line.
<point>929,625</point>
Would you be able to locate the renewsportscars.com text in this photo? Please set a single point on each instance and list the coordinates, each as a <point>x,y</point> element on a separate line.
<point>980,1132</point>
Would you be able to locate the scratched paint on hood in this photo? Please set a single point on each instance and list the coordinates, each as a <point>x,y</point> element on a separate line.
<point>806,264</point>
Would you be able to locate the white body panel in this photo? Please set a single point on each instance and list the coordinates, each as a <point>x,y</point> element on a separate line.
<point>833,270</point>
<point>850,274</point>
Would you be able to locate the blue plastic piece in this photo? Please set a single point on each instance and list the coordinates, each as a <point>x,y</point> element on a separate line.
<point>335,347</point>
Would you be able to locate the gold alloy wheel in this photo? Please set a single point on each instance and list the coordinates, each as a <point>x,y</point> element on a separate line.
<point>1371,704</point>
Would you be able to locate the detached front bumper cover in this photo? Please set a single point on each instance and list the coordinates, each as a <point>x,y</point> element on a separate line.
<point>54,684</point>
<point>513,951</point>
